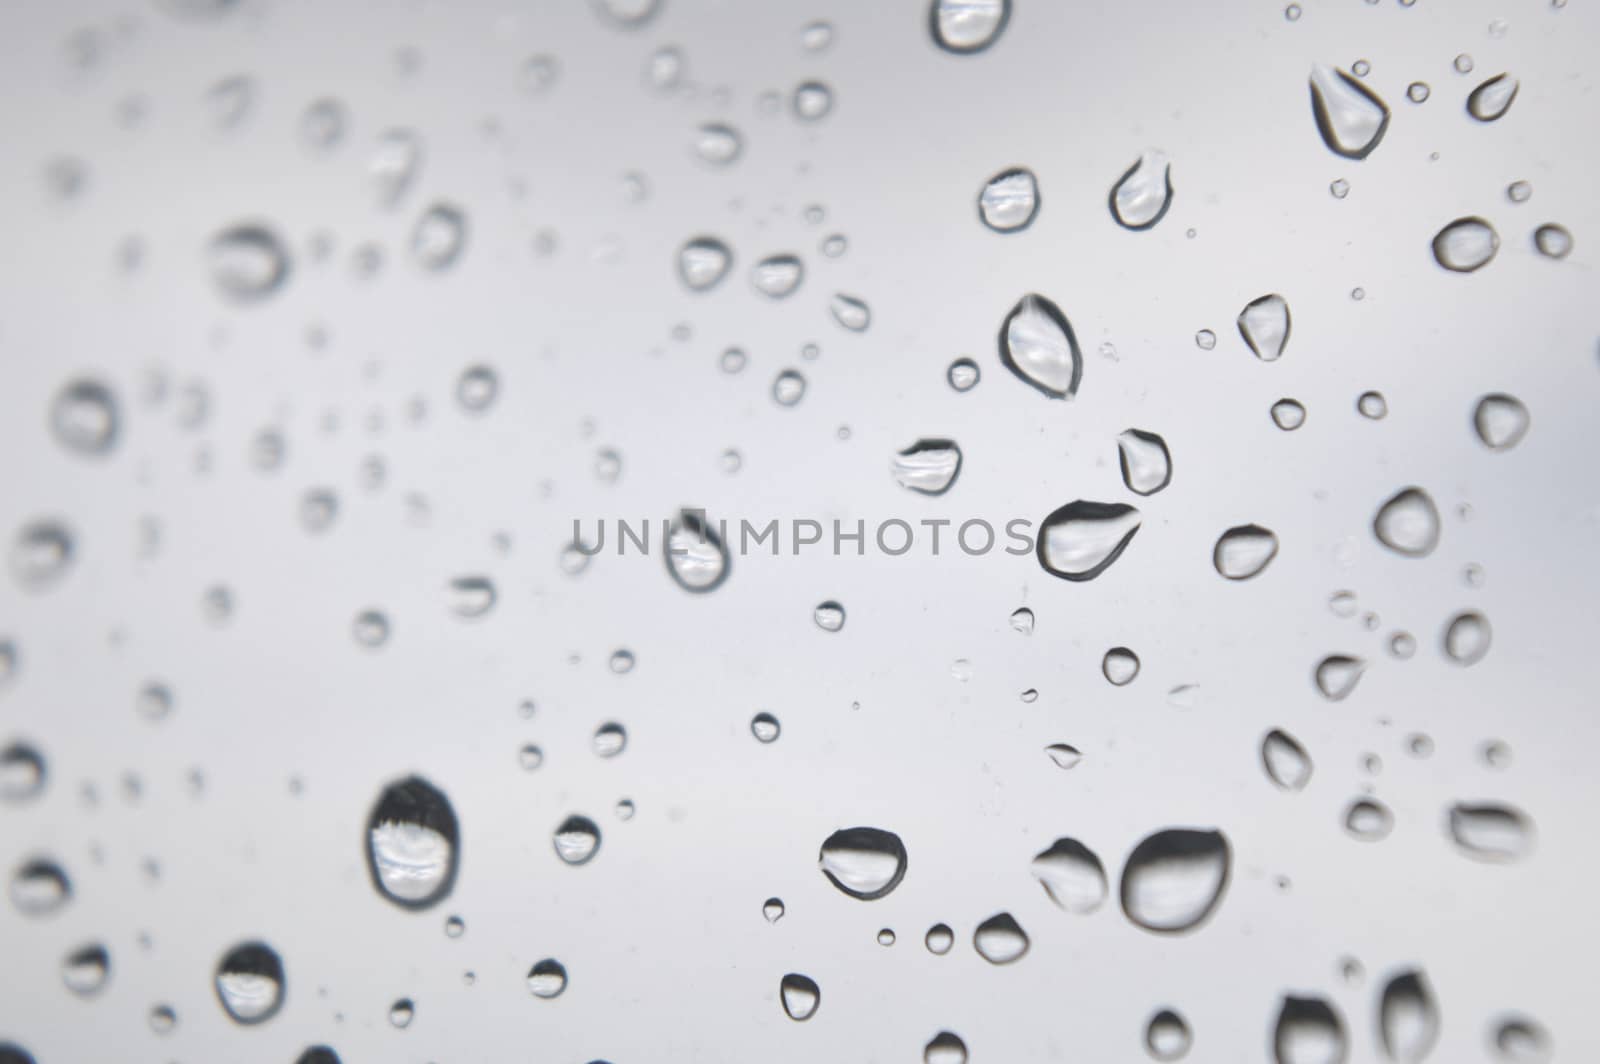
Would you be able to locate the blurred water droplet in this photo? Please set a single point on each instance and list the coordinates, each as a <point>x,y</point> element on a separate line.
<point>1167,1036</point>
<point>86,970</point>
<point>371,629</point>
<point>1408,523</point>
<point>1143,193</point>
<point>1466,244</point>
<point>1080,540</point>
<point>1009,201</point>
<point>1493,98</point>
<point>439,236</point>
<point>703,262</point>
<point>765,727</point>
<point>1350,116</point>
<point>1000,939</point>
<point>627,14</point>
<point>248,263</point>
<point>1553,241</point>
<point>800,995</point>
<point>850,312</point>
<point>1071,874</point>
<point>322,124</point>
<point>622,662</point>
<point>1368,820</point>
<point>401,1013</point>
<point>250,983</point>
<point>1491,831</point>
<point>41,554</point>
<point>1174,879</point>
<point>471,596</point>
<point>788,388</point>
<point>1288,414</point>
<point>1119,666</point>
<point>967,26</point>
<point>865,863</point>
<point>1146,463</point>
<point>547,979</point>
<point>22,772</point>
<point>718,144</point>
<point>84,418</point>
<point>39,887</point>
<point>577,840</point>
<point>163,1019</point>
<point>812,101</point>
<point>817,36</point>
<point>538,74</point>
<point>394,165</point>
<point>1408,1018</point>
<point>1264,324</point>
<point>1244,551</point>
<point>1521,1040</point>
<point>1308,1031</point>
<point>1286,761</point>
<point>829,616</point>
<point>928,467</point>
<point>697,559</point>
<point>777,276</point>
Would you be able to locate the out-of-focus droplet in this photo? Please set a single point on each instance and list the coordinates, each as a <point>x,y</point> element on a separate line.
<point>865,863</point>
<point>777,276</point>
<point>829,616</point>
<point>1143,193</point>
<point>963,374</point>
<point>40,887</point>
<point>394,165</point>
<point>788,388</point>
<point>1408,523</point>
<point>371,629</point>
<point>1521,1040</point>
<point>1337,675</point>
<point>718,144</point>
<point>1466,244</point>
<point>250,983</point>
<point>812,101</point>
<point>86,970</point>
<point>413,844</point>
<point>163,1019</point>
<point>765,727</point>
<point>1350,116</point>
<point>1009,201</point>
<point>939,939</point>
<point>577,840</point>
<point>538,74</point>
<point>1038,345</point>
<point>622,662</point>
<point>471,596</point>
<point>850,312</point>
<point>1466,637</point>
<point>800,995</point>
<point>1174,879</point>
<point>1491,831</point>
<point>84,418</point>
<point>1119,666</point>
<point>1308,1031</point>
<point>1368,819</point>
<point>1552,241</point>
<point>1244,551</point>
<point>1167,1036</point>
<point>42,554</point>
<point>967,26</point>
<point>610,739</point>
<point>477,388</point>
<point>322,124</point>
<point>1288,414</point>
<point>401,1013</point>
<point>1500,420</point>
<point>703,262</point>
<point>1493,98</point>
<point>697,559</point>
<point>1146,462</point>
<point>547,978</point>
<point>946,1047</point>
<point>229,101</point>
<point>1264,323</point>
<point>1408,1017</point>
<point>1286,761</point>
<point>1080,540</point>
<point>1000,939</point>
<point>817,36</point>
<point>22,772</point>
<point>928,467</point>
<point>1071,875</point>
<point>439,236</point>
<point>248,263</point>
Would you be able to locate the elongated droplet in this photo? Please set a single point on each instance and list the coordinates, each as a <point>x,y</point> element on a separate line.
<point>40,887</point>
<point>1264,324</point>
<point>1143,193</point>
<point>1166,1036</point>
<point>800,995</point>
<point>439,237</point>
<point>1522,1040</point>
<point>394,165</point>
<point>865,863</point>
<point>1466,637</point>
<point>850,312</point>
<point>1119,666</point>
<point>1064,755</point>
<point>928,467</point>
<point>1408,523</point>
<point>1286,761</point>
<point>1368,819</point>
<point>1493,98</point>
<point>1000,939</point>
<point>1080,540</point>
<point>1408,1018</point>
<point>1337,675</point>
<point>777,276</point>
<point>1350,117</point>
<point>1009,201</point>
<point>946,1047</point>
<point>248,263</point>
<point>697,559</point>
<point>1174,879</point>
<point>86,970</point>
<point>718,144</point>
<point>84,418</point>
<point>1146,462</point>
<point>413,844</point>
<point>547,978</point>
<point>1466,244</point>
<point>1038,345</point>
<point>250,983</point>
<point>471,596</point>
<point>1490,831</point>
<point>703,262</point>
<point>1071,875</point>
<point>967,26</point>
<point>577,840</point>
<point>1501,421</point>
<point>1244,551</point>
<point>1309,1031</point>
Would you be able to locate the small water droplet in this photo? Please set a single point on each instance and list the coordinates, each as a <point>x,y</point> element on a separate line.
<point>1466,244</point>
<point>1368,819</point>
<point>577,840</point>
<point>967,26</point>
<point>1519,191</point>
<point>250,983</point>
<point>1292,13</point>
<point>1071,874</point>
<point>248,263</point>
<point>1146,462</point>
<point>1337,675</point>
<point>772,910</point>
<point>454,927</point>
<point>471,596</point>
<point>865,863</point>
<point>1063,755</point>
<point>939,939</point>
<point>850,312</point>
<point>1286,761</point>
<point>1119,666</point>
<point>1308,1031</point>
<point>928,467</point>
<point>22,772</point>
<point>1493,98</point>
<point>777,276</point>
<point>621,662</point>
<point>1522,1040</point>
<point>1143,193</point>
<point>401,1013</point>
<point>1350,116</point>
<point>371,629</point>
<point>765,727</point>
<point>1080,540</point>
<point>1174,879</point>
<point>703,262</point>
<point>812,101</point>
<point>1372,406</point>
<point>413,844</point>
<point>829,616</point>
<point>439,236</point>
<point>718,144</point>
<point>547,978</point>
<point>84,418</point>
<point>1000,939</point>
<point>1038,345</point>
<point>1167,1036</point>
<point>40,887</point>
<point>163,1019</point>
<point>1408,1018</point>
<point>1417,91</point>
<point>322,124</point>
<point>1491,831</point>
<point>1205,339</point>
<point>1264,324</point>
<point>1009,201</point>
<point>1288,414</point>
<point>800,996</point>
<point>1552,241</point>
<point>945,1048</point>
<point>1244,551</point>
<point>85,970</point>
<point>42,554</point>
<point>817,36</point>
<point>610,739</point>
<point>1466,637</point>
<point>963,374</point>
<point>1022,620</point>
<point>1408,523</point>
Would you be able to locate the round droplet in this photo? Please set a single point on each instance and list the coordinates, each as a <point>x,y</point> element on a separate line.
<point>829,616</point>
<point>318,1055</point>
<point>1466,637</point>
<point>1071,875</point>
<point>1408,1018</point>
<point>1368,820</point>
<point>800,995</point>
<point>627,14</point>
<point>1119,666</point>
<point>1174,879</point>
<point>621,662</point>
<point>1244,551</point>
<point>85,970</point>
<point>967,26</point>
<point>1466,244</point>
<point>1500,420</point>
<point>1519,191</point>
<point>39,887</point>
<point>703,262</point>
<point>1080,540</point>
<point>945,1048</point>
<point>250,983</point>
<point>777,276</point>
<point>22,772</point>
<point>318,508</point>
<point>850,312</point>
<point>1009,201</point>
<point>812,101</point>
<point>577,840</point>
<point>1408,523</point>
<point>1288,414</point>
<point>718,144</point>
<point>1205,339</point>
<point>1339,187</point>
<point>1146,462</point>
<point>788,388</point>
<point>477,388</point>
<point>1000,939</point>
<point>765,727</point>
<point>963,374</point>
<point>1493,98</point>
<point>84,418</point>
<point>865,863</point>
<point>248,263</point>
<point>610,739</point>
<point>817,36</point>
<point>547,979</point>
<point>697,559</point>
<point>772,910</point>
<point>1337,675</point>
<point>163,1019</point>
<point>1417,91</point>
<point>939,939</point>
<point>1286,761</point>
<point>439,236</point>
<point>1308,1031</point>
<point>1167,1036</point>
<point>371,629</point>
<point>1350,116</point>
<point>1143,193</point>
<point>1492,832</point>
<point>413,844</point>
<point>1553,241</point>
<point>928,467</point>
<point>530,757</point>
<point>401,1013</point>
<point>1038,345</point>
<point>1264,323</point>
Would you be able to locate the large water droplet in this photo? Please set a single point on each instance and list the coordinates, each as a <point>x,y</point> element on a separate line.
<point>413,844</point>
<point>1071,875</point>
<point>250,983</point>
<point>1408,1018</point>
<point>1408,523</point>
<point>42,554</point>
<point>1350,117</point>
<point>1143,193</point>
<point>40,887</point>
<point>1264,324</point>
<point>439,237</point>
<point>547,979</point>
<point>697,559</point>
<point>1493,98</point>
<point>1286,761</point>
<point>1038,345</point>
<point>1466,637</point>
<point>86,970</point>
<point>777,276</point>
<point>928,467</point>
<point>1500,420</point>
<point>1167,1036</point>
<point>1080,540</point>
<point>703,262</point>
<point>1009,201</point>
<point>577,840</point>
<point>1244,551</point>
<point>800,995</point>
<point>946,1047</point>
<point>248,263</point>
<point>394,165</point>
<point>1465,244</point>
<point>865,863</point>
<point>1491,831</point>
<point>1000,939</point>
<point>1174,879</point>
<point>84,418</point>
<point>1308,1031</point>
<point>1146,462</point>
<point>318,1055</point>
<point>967,26</point>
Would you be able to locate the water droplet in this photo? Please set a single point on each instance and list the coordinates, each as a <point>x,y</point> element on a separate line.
<point>1466,244</point>
<point>610,739</point>
<point>322,124</point>
<point>1205,339</point>
<point>454,927</point>
<point>963,374</point>
<point>967,26</point>
<point>817,36</point>
<point>1339,187</point>
<point>945,1048</point>
<point>163,1019</point>
<point>471,596</point>
<point>530,757</point>
<point>1286,761</point>
<point>1009,201</point>
<point>84,418</point>
<point>1408,1018</point>
<point>439,236</point>
<point>401,1013</point>
<point>371,629</point>
<point>248,263</point>
<point>1292,13</point>
<point>394,165</point>
<point>1408,523</point>
<point>1466,637</point>
<point>788,388</point>
<point>928,467</point>
<point>85,970</point>
<point>777,276</point>
<point>1022,620</point>
<point>697,559</point>
<point>547,979</point>
<point>1368,820</point>
<point>1119,666</point>
<point>1000,939</point>
<point>829,616</point>
<point>812,101</point>
<point>1080,540</point>
<point>1288,414</point>
<point>772,910</point>
<point>1521,1040</point>
<point>718,144</point>
<point>627,14</point>
<point>1491,832</point>
<point>1337,674</point>
<point>1493,98</point>
<point>1519,191</point>
<point>22,772</point>
<point>1417,91</point>
<point>1553,241</point>
<point>850,312</point>
<point>1143,193</point>
<point>1350,116</point>
<point>1146,463</point>
<point>1264,324</point>
<point>939,939</point>
<point>1038,345</point>
<point>40,887</point>
<point>42,554</point>
<point>1372,406</point>
<point>703,262</point>
<point>1244,551</point>
<point>1174,879</point>
<point>1308,1031</point>
<point>765,727</point>
<point>622,662</point>
<point>1167,1036</point>
<point>477,388</point>
<point>250,983</point>
<point>865,863</point>
<point>1071,873</point>
<point>413,844</point>
<point>318,1055</point>
<point>577,840</point>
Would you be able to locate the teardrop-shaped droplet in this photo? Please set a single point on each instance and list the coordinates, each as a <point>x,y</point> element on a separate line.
<point>1493,98</point>
<point>42,554</point>
<point>697,559</point>
<point>865,863</point>
<point>718,144</point>
<point>248,263</point>
<point>1071,875</point>
<point>1000,939</point>
<point>939,939</point>
<point>1552,241</point>
<point>850,312</point>
<point>1408,1018</point>
<point>1009,201</point>
<point>1264,324</point>
<point>250,983</point>
<point>1288,414</point>
<point>1491,831</point>
<point>1501,421</point>
<point>1146,462</point>
<point>1038,345</point>
<point>967,26</point>
<point>1174,879</point>
<point>1368,819</point>
<point>946,1047</point>
<point>1143,193</point>
<point>777,276</point>
<point>1408,523</point>
<point>577,840</point>
<point>772,910</point>
<point>413,844</point>
<point>547,979</point>
<point>439,236</point>
<point>1080,540</point>
<point>1286,761</point>
<point>84,418</point>
<point>800,995</point>
<point>1022,620</point>
<point>928,467</point>
<point>1337,675</point>
<point>1350,117</point>
<point>22,772</point>
<point>1466,244</point>
<point>1064,755</point>
<point>1308,1031</point>
<point>1521,1040</point>
<point>86,970</point>
<point>1244,551</point>
<point>1166,1036</point>
<point>1466,637</point>
<point>40,887</point>
<point>394,165</point>
<point>703,262</point>
<point>1119,666</point>
<point>471,596</point>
